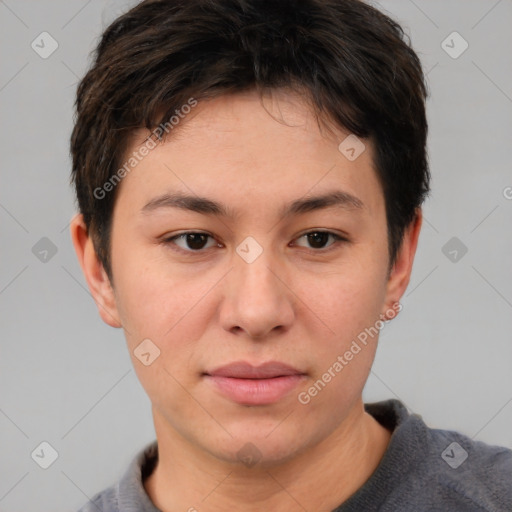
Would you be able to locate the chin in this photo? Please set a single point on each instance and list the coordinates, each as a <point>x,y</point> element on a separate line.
<point>252,446</point>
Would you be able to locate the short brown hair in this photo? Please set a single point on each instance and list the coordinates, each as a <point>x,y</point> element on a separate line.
<point>351,61</point>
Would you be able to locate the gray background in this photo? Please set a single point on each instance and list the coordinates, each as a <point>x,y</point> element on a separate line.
<point>66,378</point>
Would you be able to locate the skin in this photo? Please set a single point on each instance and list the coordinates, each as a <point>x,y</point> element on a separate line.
<point>298,303</point>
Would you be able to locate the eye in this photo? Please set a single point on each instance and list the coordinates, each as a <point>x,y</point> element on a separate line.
<point>192,241</point>
<point>196,241</point>
<point>318,239</point>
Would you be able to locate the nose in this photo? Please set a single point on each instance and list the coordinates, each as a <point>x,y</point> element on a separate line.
<point>257,300</point>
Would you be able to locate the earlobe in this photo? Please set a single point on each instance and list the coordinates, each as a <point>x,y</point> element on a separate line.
<point>401,272</point>
<point>94,273</point>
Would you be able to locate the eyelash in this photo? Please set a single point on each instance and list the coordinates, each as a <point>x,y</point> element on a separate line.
<point>170,241</point>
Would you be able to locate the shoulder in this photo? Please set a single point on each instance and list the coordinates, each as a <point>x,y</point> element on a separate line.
<point>429,469</point>
<point>469,470</point>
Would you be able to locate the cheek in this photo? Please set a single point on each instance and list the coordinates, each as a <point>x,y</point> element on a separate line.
<point>348,299</point>
<point>350,307</point>
<point>153,306</point>
<point>172,315</point>
<point>171,308</point>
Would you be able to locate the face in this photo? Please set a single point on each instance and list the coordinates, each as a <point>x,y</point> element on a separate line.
<point>252,304</point>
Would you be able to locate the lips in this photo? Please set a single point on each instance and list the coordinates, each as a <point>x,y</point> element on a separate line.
<point>243,370</point>
<point>246,384</point>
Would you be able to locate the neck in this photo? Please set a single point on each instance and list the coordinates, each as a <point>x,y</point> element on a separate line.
<point>320,478</point>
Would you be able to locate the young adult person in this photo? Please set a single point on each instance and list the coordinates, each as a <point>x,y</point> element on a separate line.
<point>250,177</point>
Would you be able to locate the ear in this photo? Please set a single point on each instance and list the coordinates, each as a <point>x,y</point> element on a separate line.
<point>401,272</point>
<point>95,275</point>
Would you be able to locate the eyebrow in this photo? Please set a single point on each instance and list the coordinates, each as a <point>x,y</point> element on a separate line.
<point>205,206</point>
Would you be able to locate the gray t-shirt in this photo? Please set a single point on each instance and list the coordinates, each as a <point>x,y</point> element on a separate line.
<point>423,470</point>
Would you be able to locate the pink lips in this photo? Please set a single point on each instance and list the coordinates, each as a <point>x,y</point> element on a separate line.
<point>255,385</point>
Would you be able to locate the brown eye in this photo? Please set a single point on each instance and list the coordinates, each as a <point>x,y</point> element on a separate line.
<point>319,239</point>
<point>191,241</point>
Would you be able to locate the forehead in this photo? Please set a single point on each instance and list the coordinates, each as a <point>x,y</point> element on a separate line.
<point>241,148</point>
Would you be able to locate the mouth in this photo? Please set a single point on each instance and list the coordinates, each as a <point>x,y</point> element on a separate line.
<point>245,384</point>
